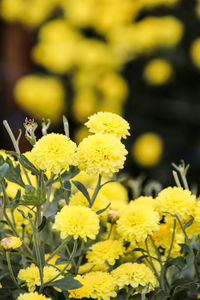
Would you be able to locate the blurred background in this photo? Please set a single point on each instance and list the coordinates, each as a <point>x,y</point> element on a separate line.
<point>136,58</point>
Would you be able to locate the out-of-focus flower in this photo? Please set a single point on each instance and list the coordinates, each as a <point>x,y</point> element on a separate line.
<point>158,72</point>
<point>147,149</point>
<point>92,267</point>
<point>43,97</point>
<point>11,242</point>
<point>54,152</point>
<point>79,221</point>
<point>195,52</point>
<point>96,156</point>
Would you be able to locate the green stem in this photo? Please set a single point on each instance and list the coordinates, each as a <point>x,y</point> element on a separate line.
<point>68,252</point>
<point>151,263</point>
<point>175,175</point>
<point>70,259</point>
<point>37,251</point>
<point>11,270</point>
<point>16,146</point>
<point>97,188</point>
<point>81,256</point>
<point>110,230</point>
<point>58,248</point>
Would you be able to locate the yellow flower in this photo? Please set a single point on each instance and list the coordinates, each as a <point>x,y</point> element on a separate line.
<point>102,154</point>
<point>107,122</point>
<point>92,267</point>
<point>137,222</point>
<point>43,97</point>
<point>115,191</point>
<point>176,200</point>
<point>78,221</point>
<point>31,276</point>
<point>11,242</point>
<point>195,52</point>
<point>145,200</point>
<point>147,149</point>
<point>32,296</point>
<point>54,152</point>
<point>135,275</point>
<point>99,285</point>
<point>1,286</point>
<point>105,251</point>
<point>158,72</point>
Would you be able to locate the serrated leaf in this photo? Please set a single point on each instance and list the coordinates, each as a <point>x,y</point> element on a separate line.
<point>43,223</point>
<point>28,165</point>
<point>82,189</point>
<point>3,170</point>
<point>65,284</point>
<point>103,209</point>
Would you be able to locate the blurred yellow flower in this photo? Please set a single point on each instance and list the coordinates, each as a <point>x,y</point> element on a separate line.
<point>147,149</point>
<point>195,52</point>
<point>11,242</point>
<point>158,72</point>
<point>92,267</point>
<point>43,97</point>
<point>54,152</point>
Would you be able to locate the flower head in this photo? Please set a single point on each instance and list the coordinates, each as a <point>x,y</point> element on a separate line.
<point>11,242</point>
<point>107,122</point>
<point>109,250</point>
<point>135,275</point>
<point>54,152</point>
<point>137,222</point>
<point>31,276</point>
<point>78,221</point>
<point>32,296</point>
<point>99,285</point>
<point>176,200</point>
<point>85,268</point>
<point>158,72</point>
<point>102,154</point>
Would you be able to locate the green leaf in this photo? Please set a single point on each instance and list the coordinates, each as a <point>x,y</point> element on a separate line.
<point>28,165</point>
<point>14,173</point>
<point>189,223</point>
<point>160,295</point>
<point>140,250</point>
<point>22,213</point>
<point>73,171</point>
<point>103,209</point>
<point>82,189</point>
<point>15,202</point>
<point>67,186</point>
<point>65,284</point>
<point>43,223</point>
<point>3,170</point>
<point>13,153</point>
<point>34,196</point>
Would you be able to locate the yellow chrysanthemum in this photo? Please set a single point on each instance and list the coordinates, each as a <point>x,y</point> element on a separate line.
<point>158,72</point>
<point>176,200</point>
<point>105,251</point>
<point>107,122</point>
<point>31,276</point>
<point>42,97</point>
<point>32,296</point>
<point>137,222</point>
<point>78,221</point>
<point>145,200</point>
<point>195,52</point>
<point>147,149</point>
<point>102,154</point>
<point>194,228</point>
<point>11,242</point>
<point>92,267</point>
<point>100,285</point>
<point>135,275</point>
<point>54,152</point>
